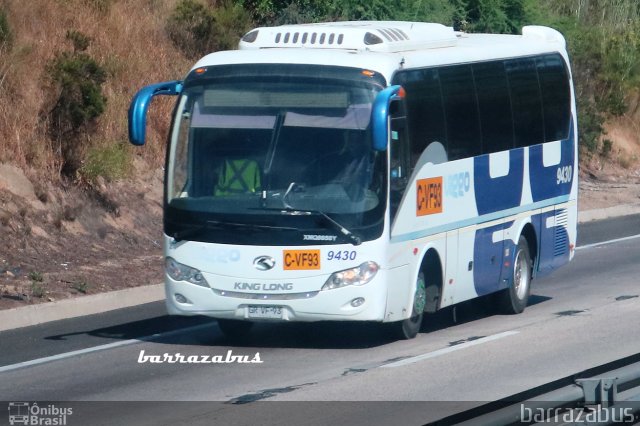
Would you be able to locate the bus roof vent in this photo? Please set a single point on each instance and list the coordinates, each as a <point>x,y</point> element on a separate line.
<point>385,36</point>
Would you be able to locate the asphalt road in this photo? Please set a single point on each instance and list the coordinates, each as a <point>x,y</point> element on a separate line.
<point>584,315</point>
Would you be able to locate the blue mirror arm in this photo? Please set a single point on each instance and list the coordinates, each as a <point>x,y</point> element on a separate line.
<point>380,122</point>
<point>140,105</point>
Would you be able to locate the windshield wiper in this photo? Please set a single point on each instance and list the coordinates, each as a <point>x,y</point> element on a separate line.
<point>215,224</point>
<point>353,238</point>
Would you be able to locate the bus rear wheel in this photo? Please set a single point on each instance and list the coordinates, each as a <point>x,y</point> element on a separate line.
<point>514,299</point>
<point>234,329</point>
<point>409,328</point>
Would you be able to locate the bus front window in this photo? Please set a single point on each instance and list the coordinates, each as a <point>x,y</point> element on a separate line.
<point>244,151</point>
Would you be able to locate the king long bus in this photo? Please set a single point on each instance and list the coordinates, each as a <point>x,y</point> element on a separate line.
<point>366,171</point>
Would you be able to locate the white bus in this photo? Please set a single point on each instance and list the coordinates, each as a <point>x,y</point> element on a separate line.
<point>366,171</point>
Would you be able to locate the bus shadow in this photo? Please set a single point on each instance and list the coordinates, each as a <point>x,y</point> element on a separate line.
<point>141,329</point>
<point>350,335</point>
<point>204,331</point>
<point>469,311</point>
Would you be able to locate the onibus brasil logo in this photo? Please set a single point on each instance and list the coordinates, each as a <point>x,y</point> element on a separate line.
<point>26,413</point>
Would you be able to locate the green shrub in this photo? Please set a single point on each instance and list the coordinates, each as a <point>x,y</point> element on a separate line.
<point>37,289</point>
<point>102,6</point>
<point>80,286</point>
<point>111,162</point>
<point>6,35</point>
<point>231,23</point>
<point>36,276</point>
<point>358,10</point>
<point>607,147</point>
<point>191,27</point>
<point>440,11</point>
<point>79,40</point>
<point>78,79</point>
<point>81,100</point>
<point>590,124</point>
<point>197,29</point>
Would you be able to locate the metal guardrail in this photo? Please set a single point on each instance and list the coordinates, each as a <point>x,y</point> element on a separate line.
<point>595,397</point>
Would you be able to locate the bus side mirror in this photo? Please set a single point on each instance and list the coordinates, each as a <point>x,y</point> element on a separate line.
<point>382,106</point>
<point>140,105</point>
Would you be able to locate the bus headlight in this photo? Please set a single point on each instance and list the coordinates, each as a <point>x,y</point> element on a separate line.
<point>355,276</point>
<point>179,272</point>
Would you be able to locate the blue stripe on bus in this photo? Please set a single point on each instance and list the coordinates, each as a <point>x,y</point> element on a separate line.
<point>502,192</point>
<point>479,219</point>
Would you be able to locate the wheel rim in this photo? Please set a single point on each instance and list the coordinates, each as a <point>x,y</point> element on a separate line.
<point>520,275</point>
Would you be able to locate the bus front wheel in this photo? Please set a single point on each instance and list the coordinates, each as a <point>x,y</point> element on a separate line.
<point>514,299</point>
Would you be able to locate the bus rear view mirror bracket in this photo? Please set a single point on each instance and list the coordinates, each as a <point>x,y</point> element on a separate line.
<point>381,113</point>
<point>140,105</point>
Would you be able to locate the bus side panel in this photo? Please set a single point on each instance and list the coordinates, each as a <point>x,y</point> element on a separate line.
<point>487,259</point>
<point>512,232</point>
<point>400,292</point>
<point>403,272</point>
<point>498,189</point>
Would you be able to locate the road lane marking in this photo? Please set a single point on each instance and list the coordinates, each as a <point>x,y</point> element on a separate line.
<point>65,355</point>
<point>617,240</point>
<point>450,349</point>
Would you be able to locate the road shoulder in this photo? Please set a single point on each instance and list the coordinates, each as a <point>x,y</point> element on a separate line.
<point>86,305</point>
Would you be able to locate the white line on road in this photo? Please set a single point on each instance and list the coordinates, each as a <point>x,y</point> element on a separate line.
<point>617,240</point>
<point>450,349</point>
<point>100,348</point>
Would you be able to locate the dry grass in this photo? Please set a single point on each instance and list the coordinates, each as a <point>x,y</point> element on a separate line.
<point>128,40</point>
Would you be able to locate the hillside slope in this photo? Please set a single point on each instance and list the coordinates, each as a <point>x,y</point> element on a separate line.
<point>81,234</point>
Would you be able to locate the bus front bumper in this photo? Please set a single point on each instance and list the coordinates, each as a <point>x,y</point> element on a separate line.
<point>350,303</point>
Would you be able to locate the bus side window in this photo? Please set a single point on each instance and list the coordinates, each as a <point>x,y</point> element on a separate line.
<point>526,101</point>
<point>425,113</point>
<point>556,96</point>
<point>461,111</point>
<point>494,105</point>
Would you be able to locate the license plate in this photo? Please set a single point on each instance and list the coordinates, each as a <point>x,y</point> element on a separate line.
<point>301,259</point>
<point>271,312</point>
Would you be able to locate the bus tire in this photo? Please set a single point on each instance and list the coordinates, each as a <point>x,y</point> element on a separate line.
<point>234,328</point>
<point>514,299</point>
<point>409,328</point>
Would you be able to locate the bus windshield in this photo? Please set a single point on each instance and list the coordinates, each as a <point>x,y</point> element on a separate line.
<point>278,154</point>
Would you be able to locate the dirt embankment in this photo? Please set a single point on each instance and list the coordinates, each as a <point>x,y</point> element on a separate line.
<point>612,177</point>
<point>63,242</point>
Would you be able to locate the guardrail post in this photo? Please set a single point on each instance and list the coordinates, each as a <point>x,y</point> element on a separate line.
<point>603,392</point>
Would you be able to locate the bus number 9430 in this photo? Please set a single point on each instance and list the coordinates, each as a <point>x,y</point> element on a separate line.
<point>341,255</point>
<point>564,174</point>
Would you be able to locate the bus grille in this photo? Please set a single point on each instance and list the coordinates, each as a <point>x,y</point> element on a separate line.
<point>263,296</point>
